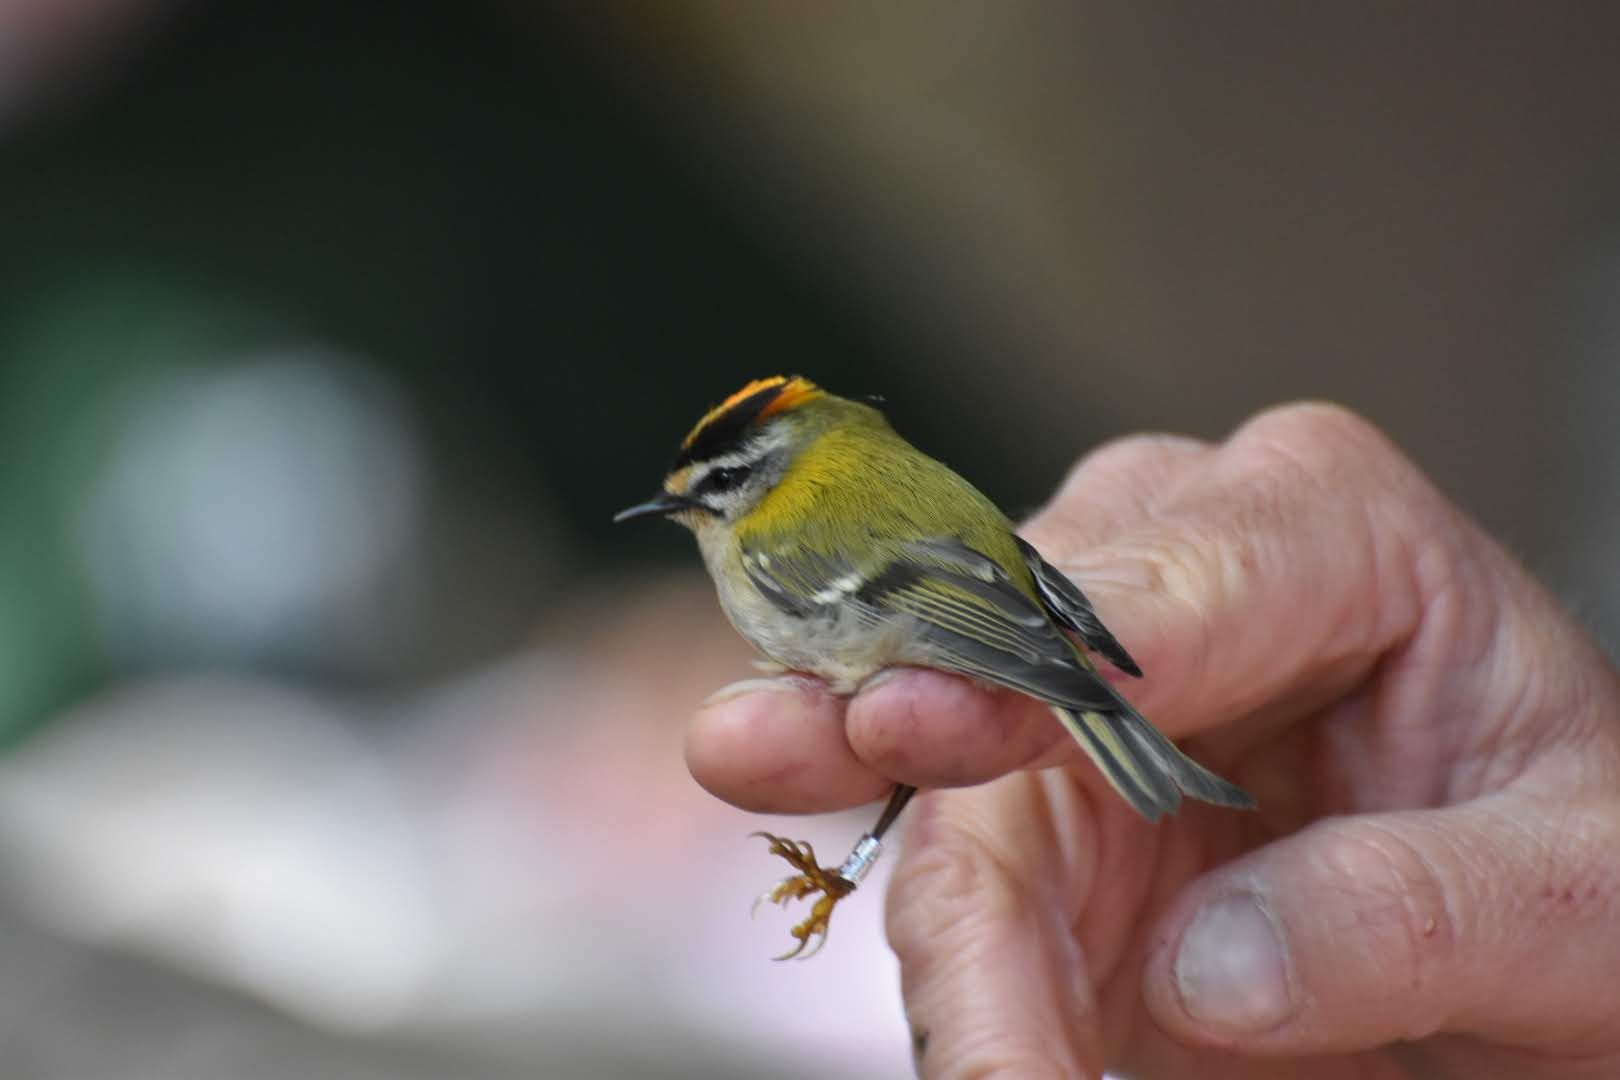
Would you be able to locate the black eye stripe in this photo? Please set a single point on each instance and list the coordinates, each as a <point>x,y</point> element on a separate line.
<point>724,478</point>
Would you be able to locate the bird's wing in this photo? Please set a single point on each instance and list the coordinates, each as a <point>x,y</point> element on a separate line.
<point>975,620</point>
<point>1069,606</point>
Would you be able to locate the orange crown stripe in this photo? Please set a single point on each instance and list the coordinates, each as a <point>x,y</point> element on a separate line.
<point>795,392</point>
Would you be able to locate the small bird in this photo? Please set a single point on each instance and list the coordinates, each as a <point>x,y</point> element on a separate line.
<point>839,549</point>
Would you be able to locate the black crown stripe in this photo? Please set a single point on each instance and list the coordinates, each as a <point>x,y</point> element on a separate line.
<point>726,431</point>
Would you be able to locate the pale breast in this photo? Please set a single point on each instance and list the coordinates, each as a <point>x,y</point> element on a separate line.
<point>835,642</point>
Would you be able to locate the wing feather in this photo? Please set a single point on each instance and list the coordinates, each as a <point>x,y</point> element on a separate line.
<point>1070,607</point>
<point>970,617</point>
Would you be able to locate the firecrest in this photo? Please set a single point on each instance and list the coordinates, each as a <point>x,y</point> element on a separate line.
<point>838,548</point>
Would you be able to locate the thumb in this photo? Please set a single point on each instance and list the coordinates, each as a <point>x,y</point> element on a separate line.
<point>1487,919</point>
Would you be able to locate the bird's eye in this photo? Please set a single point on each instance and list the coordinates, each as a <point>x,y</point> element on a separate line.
<point>724,479</point>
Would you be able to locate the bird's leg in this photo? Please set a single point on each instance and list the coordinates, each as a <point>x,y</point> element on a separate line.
<point>833,885</point>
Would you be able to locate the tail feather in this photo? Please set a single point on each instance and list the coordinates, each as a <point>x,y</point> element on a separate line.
<point>1145,767</point>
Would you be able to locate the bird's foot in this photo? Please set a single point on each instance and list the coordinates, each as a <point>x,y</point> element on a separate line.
<point>810,880</point>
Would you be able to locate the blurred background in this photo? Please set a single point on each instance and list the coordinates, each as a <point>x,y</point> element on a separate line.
<point>339,734</point>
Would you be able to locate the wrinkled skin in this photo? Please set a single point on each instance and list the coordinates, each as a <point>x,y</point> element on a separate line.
<point>1434,742</point>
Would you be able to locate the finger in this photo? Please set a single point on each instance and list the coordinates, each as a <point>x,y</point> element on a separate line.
<point>1488,919</point>
<point>1290,551</point>
<point>930,730</point>
<point>1118,485</point>
<point>778,746</point>
<point>994,985</point>
<point>789,746</point>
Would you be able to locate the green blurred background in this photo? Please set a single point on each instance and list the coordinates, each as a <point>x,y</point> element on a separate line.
<point>332,334</point>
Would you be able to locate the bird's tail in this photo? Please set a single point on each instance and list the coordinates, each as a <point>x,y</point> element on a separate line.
<point>1144,766</point>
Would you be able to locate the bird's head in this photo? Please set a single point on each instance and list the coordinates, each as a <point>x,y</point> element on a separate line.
<point>739,450</point>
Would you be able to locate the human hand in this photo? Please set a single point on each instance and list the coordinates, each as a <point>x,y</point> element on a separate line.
<point>1430,886</point>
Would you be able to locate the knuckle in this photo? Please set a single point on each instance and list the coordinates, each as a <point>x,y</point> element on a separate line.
<point>1404,913</point>
<point>1321,459</point>
<point>1324,441</point>
<point>1120,480</point>
<point>1188,563</point>
<point>1312,422</point>
<point>1131,453</point>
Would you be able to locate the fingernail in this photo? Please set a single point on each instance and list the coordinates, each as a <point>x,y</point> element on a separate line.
<point>1231,970</point>
<point>779,685</point>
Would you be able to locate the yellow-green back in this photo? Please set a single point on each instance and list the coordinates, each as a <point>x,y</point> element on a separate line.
<point>854,472</point>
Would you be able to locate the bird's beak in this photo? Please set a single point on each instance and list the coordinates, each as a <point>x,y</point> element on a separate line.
<point>661,505</point>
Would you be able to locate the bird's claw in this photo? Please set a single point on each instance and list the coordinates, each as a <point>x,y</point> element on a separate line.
<point>811,879</point>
